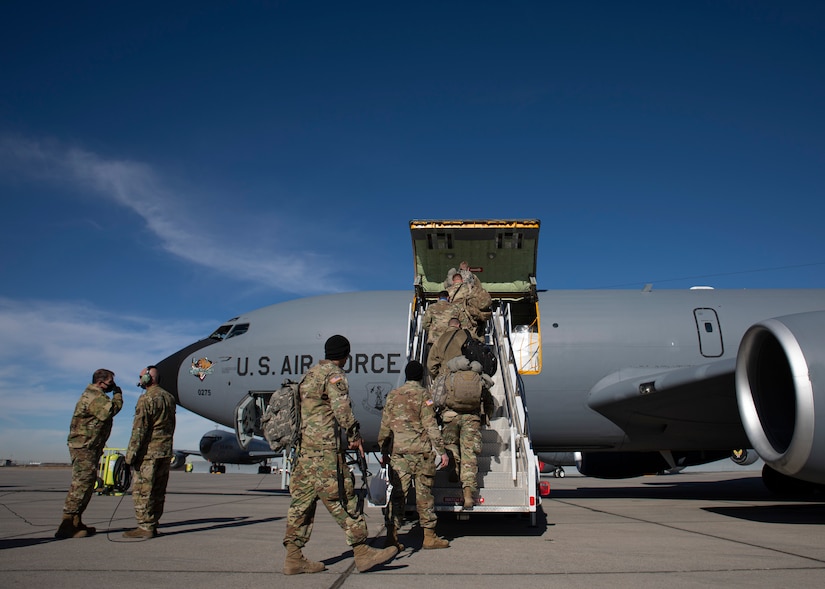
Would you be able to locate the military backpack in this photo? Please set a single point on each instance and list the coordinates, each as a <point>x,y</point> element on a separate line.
<point>476,351</point>
<point>464,391</point>
<point>281,421</point>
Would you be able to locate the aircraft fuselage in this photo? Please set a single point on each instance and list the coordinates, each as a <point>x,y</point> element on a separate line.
<point>589,340</point>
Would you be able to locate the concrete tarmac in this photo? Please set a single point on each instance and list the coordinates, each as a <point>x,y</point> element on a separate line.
<point>688,530</point>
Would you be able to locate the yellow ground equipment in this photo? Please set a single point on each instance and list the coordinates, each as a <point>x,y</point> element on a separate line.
<point>114,475</point>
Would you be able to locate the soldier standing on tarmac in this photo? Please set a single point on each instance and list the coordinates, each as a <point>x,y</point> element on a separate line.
<point>325,412</point>
<point>150,453</point>
<point>408,433</point>
<point>90,428</point>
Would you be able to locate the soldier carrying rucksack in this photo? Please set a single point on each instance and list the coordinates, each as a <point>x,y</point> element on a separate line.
<point>474,301</point>
<point>467,402</point>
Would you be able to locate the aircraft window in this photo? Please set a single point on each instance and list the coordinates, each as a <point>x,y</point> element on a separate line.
<point>509,240</point>
<point>239,329</point>
<point>708,327</point>
<point>221,332</point>
<point>440,241</point>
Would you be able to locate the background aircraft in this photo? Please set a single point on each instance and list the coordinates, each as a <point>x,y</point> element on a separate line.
<point>636,381</point>
<point>554,462</point>
<point>221,447</point>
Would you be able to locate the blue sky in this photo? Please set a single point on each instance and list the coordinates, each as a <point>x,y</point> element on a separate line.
<point>166,166</point>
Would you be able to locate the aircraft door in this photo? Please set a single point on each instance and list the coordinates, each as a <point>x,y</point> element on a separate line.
<point>710,334</point>
<point>248,415</point>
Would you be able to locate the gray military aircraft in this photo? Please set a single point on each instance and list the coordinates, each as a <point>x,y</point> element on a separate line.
<point>637,381</point>
<point>221,447</point>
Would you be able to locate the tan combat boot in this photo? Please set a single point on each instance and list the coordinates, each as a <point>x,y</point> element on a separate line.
<point>139,533</point>
<point>367,557</point>
<point>68,529</point>
<point>81,526</point>
<point>431,540</point>
<point>296,564</point>
<point>468,498</point>
<point>392,538</point>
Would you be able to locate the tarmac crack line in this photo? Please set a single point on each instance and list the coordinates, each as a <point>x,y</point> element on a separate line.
<point>704,534</point>
<point>17,515</point>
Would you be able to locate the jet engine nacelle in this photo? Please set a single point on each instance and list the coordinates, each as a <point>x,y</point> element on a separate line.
<point>780,386</point>
<point>744,457</point>
<point>178,460</point>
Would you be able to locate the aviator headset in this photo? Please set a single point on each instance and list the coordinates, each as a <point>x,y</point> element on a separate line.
<point>145,378</point>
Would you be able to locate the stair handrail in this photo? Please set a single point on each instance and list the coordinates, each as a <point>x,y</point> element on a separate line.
<point>513,388</point>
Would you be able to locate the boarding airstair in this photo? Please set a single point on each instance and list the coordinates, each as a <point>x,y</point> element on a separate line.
<point>507,466</point>
<point>508,472</point>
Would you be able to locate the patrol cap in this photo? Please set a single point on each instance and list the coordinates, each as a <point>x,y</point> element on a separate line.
<point>336,348</point>
<point>414,370</point>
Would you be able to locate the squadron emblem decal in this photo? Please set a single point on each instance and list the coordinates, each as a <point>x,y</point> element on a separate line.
<point>376,397</point>
<point>201,368</point>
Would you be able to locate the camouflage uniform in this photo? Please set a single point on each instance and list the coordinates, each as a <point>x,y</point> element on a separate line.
<point>445,349</point>
<point>324,401</point>
<point>461,296</point>
<point>474,305</point>
<point>466,275</point>
<point>462,437</point>
<point>90,428</point>
<point>437,317</point>
<point>150,454</point>
<point>409,432</point>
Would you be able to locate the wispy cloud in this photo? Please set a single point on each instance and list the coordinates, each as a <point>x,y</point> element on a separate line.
<point>198,235</point>
<point>50,353</point>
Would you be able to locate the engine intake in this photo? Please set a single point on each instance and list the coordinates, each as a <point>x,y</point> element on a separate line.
<point>780,371</point>
<point>178,460</point>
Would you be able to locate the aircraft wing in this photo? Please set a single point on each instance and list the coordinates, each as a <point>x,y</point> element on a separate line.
<point>269,454</point>
<point>695,405</point>
<point>187,452</point>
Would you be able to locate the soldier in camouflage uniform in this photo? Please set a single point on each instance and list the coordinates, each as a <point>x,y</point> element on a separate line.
<point>462,438</point>
<point>409,434</point>
<point>325,412</point>
<point>150,453</point>
<point>473,302</point>
<point>446,348</point>
<point>466,275</point>
<point>89,430</point>
<point>460,294</point>
<point>438,315</point>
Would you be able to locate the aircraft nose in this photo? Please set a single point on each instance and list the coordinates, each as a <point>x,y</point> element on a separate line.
<point>206,444</point>
<point>169,368</point>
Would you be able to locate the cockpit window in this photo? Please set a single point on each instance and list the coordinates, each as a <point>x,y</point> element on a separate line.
<point>239,329</point>
<point>221,332</point>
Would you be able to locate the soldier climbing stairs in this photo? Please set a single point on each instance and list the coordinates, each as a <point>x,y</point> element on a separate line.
<point>508,471</point>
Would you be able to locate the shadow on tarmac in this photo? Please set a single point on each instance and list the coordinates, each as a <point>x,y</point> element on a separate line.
<point>24,542</point>
<point>807,514</point>
<point>680,487</point>
<point>207,524</point>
